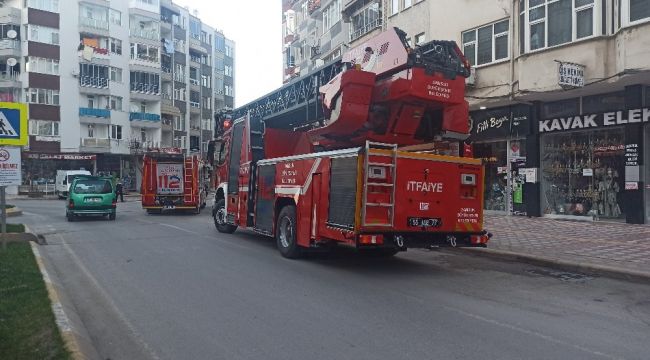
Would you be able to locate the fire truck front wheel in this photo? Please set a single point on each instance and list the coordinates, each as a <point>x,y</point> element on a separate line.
<point>219,216</point>
<point>286,233</point>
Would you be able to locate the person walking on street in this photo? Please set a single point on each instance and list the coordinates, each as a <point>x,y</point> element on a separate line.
<point>119,190</point>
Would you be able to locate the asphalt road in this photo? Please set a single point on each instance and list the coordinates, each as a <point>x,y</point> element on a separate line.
<point>171,287</point>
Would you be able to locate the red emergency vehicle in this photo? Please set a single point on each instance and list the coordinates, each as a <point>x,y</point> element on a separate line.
<point>339,176</point>
<point>174,182</point>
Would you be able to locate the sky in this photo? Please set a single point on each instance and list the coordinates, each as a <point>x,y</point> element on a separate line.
<point>256,28</point>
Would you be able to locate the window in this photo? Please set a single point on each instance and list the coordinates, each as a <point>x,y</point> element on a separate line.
<point>204,36</point>
<point>407,3</point>
<point>42,65</point>
<point>206,81</point>
<point>116,74</point>
<point>179,72</point>
<point>116,46</point>
<point>228,70</point>
<point>207,103</point>
<point>42,96</point>
<point>229,51</point>
<point>144,52</point>
<point>115,103</point>
<point>116,132</point>
<point>194,76</point>
<point>195,29</point>
<point>420,39</point>
<point>5,28</point>
<point>91,101</point>
<point>365,20</point>
<point>43,34</point>
<point>486,44</point>
<point>220,43</point>
<point>331,14</point>
<point>554,22</point>
<point>229,90</point>
<point>45,5</point>
<point>93,75</point>
<point>179,123</point>
<point>91,130</point>
<point>179,94</point>
<point>43,128</point>
<point>639,10</point>
<point>115,17</point>
<point>145,82</point>
<point>394,7</point>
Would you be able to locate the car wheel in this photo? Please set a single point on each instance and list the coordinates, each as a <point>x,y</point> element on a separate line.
<point>286,234</point>
<point>219,217</point>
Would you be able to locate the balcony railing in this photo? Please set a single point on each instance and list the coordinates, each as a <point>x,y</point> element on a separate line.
<point>96,142</point>
<point>140,116</point>
<point>153,89</point>
<point>365,29</point>
<point>93,23</point>
<point>88,81</point>
<point>195,104</point>
<point>9,44</point>
<point>100,113</point>
<point>151,34</point>
<point>14,76</point>
<point>148,58</point>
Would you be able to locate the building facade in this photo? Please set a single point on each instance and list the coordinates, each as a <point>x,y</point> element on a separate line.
<point>107,82</point>
<point>559,95</point>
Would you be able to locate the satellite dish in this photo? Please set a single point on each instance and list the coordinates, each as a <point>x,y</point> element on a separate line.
<point>12,62</point>
<point>12,34</point>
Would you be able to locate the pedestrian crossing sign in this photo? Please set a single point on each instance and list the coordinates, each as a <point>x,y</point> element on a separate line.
<point>13,124</point>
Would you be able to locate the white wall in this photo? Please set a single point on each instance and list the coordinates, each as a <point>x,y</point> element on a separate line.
<point>70,99</point>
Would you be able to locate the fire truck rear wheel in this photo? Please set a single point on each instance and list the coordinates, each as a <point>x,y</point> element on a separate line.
<point>286,233</point>
<point>219,217</point>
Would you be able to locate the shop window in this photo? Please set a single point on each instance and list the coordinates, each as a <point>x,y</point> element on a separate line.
<point>494,156</point>
<point>583,173</point>
<point>603,103</point>
<point>561,108</point>
<point>647,96</point>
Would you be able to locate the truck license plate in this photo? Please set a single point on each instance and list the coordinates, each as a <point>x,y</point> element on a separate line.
<point>170,207</point>
<point>424,222</point>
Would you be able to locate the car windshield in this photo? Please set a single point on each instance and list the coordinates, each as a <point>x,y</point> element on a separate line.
<point>93,187</point>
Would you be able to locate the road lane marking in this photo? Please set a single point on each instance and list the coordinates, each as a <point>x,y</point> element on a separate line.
<point>531,333</point>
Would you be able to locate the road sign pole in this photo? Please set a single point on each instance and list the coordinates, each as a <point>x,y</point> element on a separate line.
<point>3,218</point>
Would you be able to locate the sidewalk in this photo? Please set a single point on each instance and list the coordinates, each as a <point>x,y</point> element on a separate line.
<point>617,249</point>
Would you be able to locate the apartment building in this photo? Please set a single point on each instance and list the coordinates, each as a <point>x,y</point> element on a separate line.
<point>109,81</point>
<point>559,95</point>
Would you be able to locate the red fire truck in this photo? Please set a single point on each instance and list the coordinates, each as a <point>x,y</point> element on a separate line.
<point>174,182</point>
<point>313,170</point>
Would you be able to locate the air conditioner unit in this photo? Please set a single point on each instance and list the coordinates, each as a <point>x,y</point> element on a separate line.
<point>471,79</point>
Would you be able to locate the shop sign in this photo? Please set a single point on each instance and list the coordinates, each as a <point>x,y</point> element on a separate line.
<point>611,118</point>
<point>631,185</point>
<point>530,174</point>
<point>60,156</point>
<point>571,75</point>
<point>500,122</point>
<point>587,172</point>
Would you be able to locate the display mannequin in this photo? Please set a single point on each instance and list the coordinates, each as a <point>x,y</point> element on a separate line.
<point>608,190</point>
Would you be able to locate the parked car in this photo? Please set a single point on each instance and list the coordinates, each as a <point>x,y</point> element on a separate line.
<point>91,196</point>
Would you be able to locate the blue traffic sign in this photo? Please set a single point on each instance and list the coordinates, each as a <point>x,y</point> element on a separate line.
<point>13,124</point>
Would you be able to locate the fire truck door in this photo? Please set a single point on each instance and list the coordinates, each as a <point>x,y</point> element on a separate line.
<point>315,211</point>
<point>232,198</point>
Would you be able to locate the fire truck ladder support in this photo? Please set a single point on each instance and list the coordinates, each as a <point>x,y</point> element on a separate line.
<point>188,179</point>
<point>392,166</point>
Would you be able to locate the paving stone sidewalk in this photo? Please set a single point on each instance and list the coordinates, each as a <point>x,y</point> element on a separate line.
<point>619,246</point>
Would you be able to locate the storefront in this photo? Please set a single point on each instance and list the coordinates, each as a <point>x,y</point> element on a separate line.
<point>41,168</point>
<point>498,137</point>
<point>592,157</point>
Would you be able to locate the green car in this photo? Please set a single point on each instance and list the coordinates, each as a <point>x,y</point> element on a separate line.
<point>91,195</point>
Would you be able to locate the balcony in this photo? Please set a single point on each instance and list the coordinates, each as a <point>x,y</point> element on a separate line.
<point>94,85</point>
<point>96,144</point>
<point>357,33</point>
<point>97,113</point>
<point>95,24</point>
<point>143,116</point>
<point>10,79</point>
<point>149,34</point>
<point>9,47</point>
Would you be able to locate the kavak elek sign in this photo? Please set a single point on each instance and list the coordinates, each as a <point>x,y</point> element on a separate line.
<point>612,118</point>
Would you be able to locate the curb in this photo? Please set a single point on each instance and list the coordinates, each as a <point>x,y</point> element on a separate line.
<point>74,336</point>
<point>602,270</point>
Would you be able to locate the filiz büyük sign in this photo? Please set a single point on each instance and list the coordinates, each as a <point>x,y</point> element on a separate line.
<point>612,118</point>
